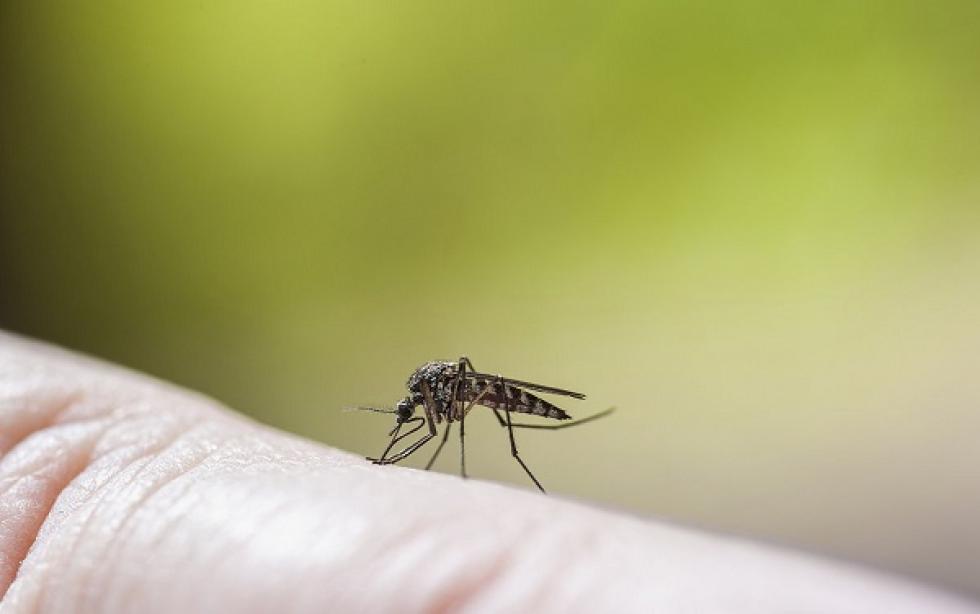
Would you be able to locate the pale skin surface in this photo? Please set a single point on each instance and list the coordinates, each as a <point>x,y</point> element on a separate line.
<point>119,493</point>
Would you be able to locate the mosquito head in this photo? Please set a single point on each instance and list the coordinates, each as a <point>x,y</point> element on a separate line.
<point>405,409</point>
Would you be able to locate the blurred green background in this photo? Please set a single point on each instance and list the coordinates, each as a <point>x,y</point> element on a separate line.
<point>753,228</point>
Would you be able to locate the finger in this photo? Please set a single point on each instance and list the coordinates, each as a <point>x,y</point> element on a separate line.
<point>119,493</point>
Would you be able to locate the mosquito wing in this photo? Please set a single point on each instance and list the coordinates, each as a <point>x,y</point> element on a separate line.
<point>521,384</point>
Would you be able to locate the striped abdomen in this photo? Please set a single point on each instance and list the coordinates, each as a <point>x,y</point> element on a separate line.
<point>498,395</point>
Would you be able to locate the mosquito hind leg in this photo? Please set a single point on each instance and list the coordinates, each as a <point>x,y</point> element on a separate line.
<point>510,434</point>
<point>553,427</point>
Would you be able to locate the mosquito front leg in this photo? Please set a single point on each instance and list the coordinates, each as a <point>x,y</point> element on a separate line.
<point>407,451</point>
<point>415,446</point>
<point>395,438</point>
<point>429,406</point>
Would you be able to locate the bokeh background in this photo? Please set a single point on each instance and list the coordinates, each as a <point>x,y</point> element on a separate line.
<point>753,227</point>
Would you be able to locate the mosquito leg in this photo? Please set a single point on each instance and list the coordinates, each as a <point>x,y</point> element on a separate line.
<point>429,420</point>
<point>554,427</point>
<point>510,433</point>
<point>459,386</point>
<point>445,436</point>
<point>462,447</point>
<point>407,451</point>
<point>458,406</point>
<point>514,453</point>
<point>500,418</point>
<point>394,438</point>
<point>415,446</point>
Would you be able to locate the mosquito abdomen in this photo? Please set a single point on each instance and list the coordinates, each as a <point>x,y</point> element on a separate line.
<point>498,395</point>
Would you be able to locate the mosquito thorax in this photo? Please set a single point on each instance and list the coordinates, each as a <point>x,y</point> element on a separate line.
<point>431,372</point>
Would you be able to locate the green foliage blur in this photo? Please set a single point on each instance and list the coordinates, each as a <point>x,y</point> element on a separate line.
<point>753,227</point>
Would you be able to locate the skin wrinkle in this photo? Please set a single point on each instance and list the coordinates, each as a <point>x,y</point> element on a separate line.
<point>455,597</point>
<point>25,520</point>
<point>245,539</point>
<point>81,451</point>
<point>131,470</point>
<point>88,455</point>
<point>369,551</point>
<point>486,592</point>
<point>74,463</point>
<point>178,488</point>
<point>165,530</point>
<point>161,455</point>
<point>78,495</point>
<point>157,457</point>
<point>46,420</point>
<point>185,476</point>
<point>37,465</point>
<point>462,550</point>
<point>22,429</point>
<point>535,576</point>
<point>411,558</point>
<point>577,553</point>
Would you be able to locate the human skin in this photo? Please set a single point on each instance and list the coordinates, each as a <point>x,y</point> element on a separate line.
<point>120,493</point>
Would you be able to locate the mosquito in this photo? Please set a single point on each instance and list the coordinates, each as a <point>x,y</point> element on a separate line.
<point>447,391</point>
